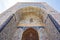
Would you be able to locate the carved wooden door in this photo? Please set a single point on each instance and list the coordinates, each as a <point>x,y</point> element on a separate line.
<point>30,34</point>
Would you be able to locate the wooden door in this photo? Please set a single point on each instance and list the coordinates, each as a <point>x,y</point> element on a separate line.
<point>30,34</point>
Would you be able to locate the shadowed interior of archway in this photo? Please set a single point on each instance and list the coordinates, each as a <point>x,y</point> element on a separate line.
<point>30,34</point>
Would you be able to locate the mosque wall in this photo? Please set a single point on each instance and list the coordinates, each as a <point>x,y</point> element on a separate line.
<point>8,31</point>
<point>51,29</point>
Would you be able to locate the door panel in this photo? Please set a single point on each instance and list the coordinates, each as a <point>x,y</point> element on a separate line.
<point>30,34</point>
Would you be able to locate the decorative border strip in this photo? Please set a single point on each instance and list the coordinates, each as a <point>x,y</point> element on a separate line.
<point>54,22</point>
<point>26,27</point>
<point>5,23</point>
<point>31,27</point>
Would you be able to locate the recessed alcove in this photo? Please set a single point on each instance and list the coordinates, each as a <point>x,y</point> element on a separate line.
<point>31,17</point>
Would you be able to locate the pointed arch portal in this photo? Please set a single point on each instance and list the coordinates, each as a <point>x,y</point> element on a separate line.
<point>30,34</point>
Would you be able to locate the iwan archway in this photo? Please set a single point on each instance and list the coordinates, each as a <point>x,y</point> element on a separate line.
<point>30,18</point>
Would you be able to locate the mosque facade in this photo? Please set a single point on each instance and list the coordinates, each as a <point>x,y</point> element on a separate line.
<point>30,21</point>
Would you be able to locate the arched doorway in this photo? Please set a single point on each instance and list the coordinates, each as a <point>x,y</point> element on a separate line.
<point>30,34</point>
